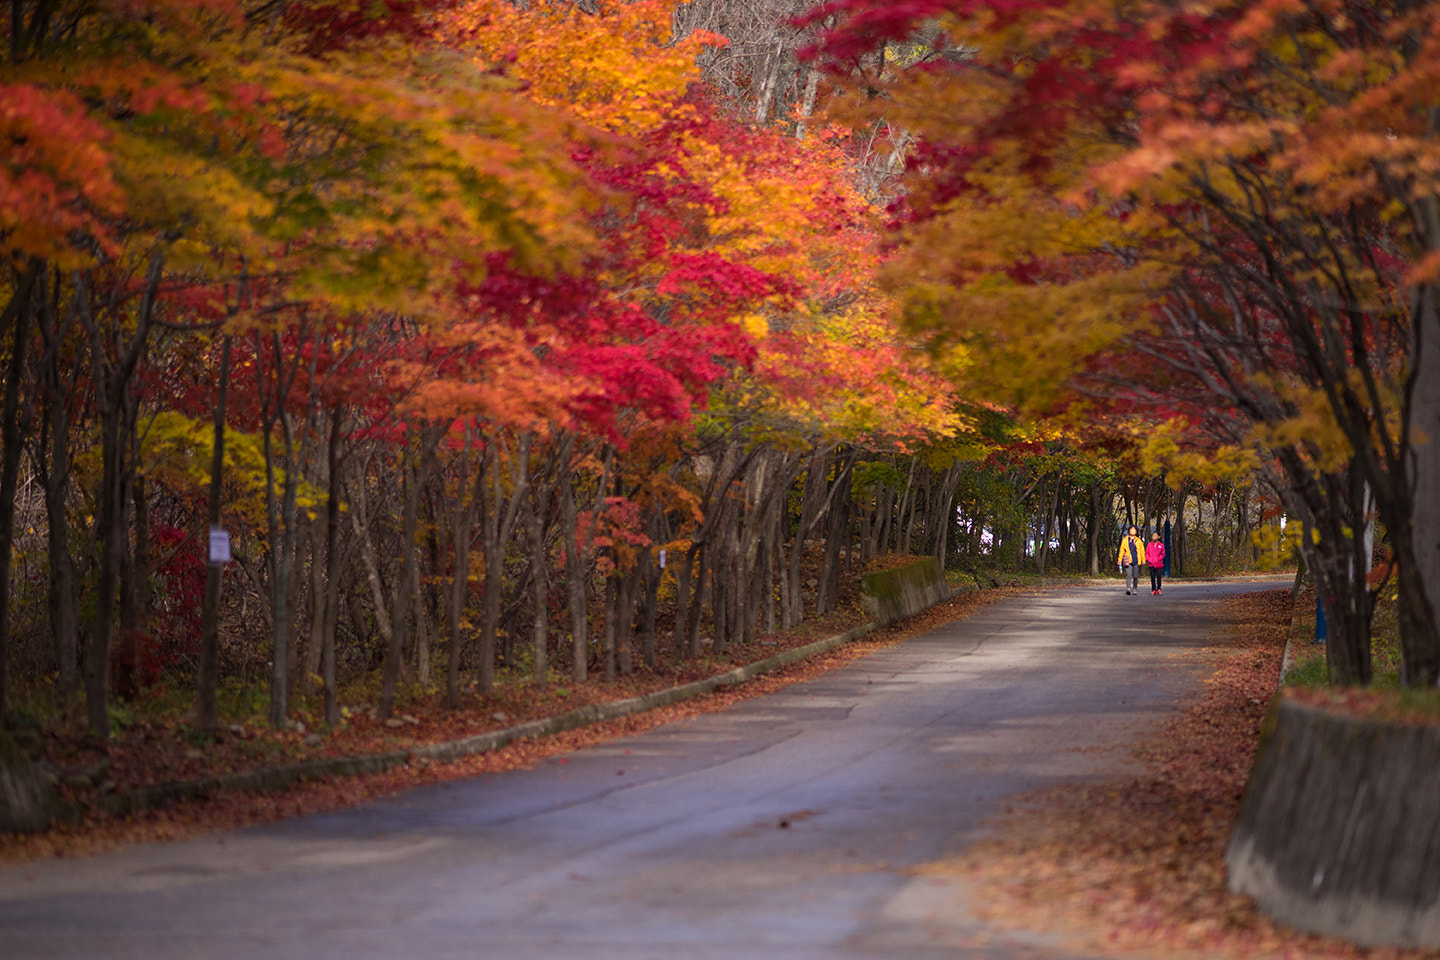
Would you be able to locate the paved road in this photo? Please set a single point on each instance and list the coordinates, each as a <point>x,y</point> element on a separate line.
<point>782,828</point>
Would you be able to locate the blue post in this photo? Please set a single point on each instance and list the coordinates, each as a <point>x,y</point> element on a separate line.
<point>1320,629</point>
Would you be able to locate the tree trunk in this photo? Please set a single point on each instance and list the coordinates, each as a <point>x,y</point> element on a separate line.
<point>625,622</point>
<point>651,597</point>
<point>421,616</point>
<point>782,578</point>
<point>319,569</point>
<point>540,579</point>
<point>1092,532</point>
<point>208,680</point>
<point>331,614</point>
<point>718,563</point>
<point>827,590</point>
<point>1220,511</point>
<point>497,524</point>
<point>18,312</point>
<point>884,504</point>
<point>1046,526</point>
<point>61,595</point>
<point>696,561</point>
<point>577,596</point>
<point>113,376</point>
<point>811,510</point>
<point>612,601</point>
<point>769,78</point>
<point>360,522</point>
<point>807,102</point>
<point>207,710</point>
<point>281,518</point>
<point>905,519</point>
<point>400,612</point>
<point>1419,572</point>
<point>682,603</point>
<point>59,384</point>
<point>1177,561</point>
<point>460,583</point>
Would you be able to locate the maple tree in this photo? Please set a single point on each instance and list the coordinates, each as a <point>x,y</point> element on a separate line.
<point>476,325</point>
<point>357,243</point>
<point>1100,189</point>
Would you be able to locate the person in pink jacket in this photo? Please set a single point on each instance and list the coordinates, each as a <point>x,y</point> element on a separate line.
<point>1155,557</point>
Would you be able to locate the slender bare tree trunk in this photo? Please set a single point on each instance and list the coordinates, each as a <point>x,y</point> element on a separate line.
<point>207,711</point>
<point>768,81</point>
<point>540,578</point>
<point>331,613</point>
<point>19,312</point>
<point>697,601</point>
<point>810,511</point>
<point>1092,532</point>
<point>1220,512</point>
<point>400,614</point>
<point>360,522</point>
<point>807,102</point>
<point>497,524</point>
<point>1419,572</point>
<point>460,584</point>
<point>59,384</point>
<point>578,599</point>
<point>113,377</point>
<point>682,603</point>
<point>651,584</point>
<point>612,601</point>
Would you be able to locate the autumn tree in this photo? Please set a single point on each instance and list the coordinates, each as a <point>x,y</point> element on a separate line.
<point>1121,186</point>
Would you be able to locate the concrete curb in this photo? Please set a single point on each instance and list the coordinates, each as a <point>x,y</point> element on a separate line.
<point>1326,839</point>
<point>284,777</point>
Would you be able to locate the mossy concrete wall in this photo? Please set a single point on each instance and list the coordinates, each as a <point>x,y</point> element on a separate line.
<point>27,799</point>
<point>1339,830</point>
<point>901,592</point>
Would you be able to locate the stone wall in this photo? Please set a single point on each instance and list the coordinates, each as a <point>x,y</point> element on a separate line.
<point>901,592</point>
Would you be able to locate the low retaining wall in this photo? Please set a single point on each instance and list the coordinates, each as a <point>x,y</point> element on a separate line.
<point>895,594</point>
<point>283,777</point>
<point>1339,830</point>
<point>902,592</point>
<point>27,800</point>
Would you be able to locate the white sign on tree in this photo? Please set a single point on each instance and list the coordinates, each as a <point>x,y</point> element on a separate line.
<point>219,545</point>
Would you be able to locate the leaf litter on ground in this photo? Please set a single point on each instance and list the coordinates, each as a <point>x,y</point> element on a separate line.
<point>1135,865</point>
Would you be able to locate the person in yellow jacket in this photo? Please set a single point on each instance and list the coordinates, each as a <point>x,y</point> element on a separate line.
<point>1132,554</point>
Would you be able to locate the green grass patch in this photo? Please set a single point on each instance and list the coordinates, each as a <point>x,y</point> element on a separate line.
<point>1311,673</point>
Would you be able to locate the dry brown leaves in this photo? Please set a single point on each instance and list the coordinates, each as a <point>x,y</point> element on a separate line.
<point>190,818</point>
<point>1137,865</point>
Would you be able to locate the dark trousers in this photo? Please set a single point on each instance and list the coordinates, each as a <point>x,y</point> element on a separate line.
<point>1155,573</point>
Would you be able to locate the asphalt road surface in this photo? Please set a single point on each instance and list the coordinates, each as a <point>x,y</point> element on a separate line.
<point>785,827</point>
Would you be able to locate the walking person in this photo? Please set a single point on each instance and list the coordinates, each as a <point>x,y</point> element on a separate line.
<point>1155,557</point>
<point>1132,554</point>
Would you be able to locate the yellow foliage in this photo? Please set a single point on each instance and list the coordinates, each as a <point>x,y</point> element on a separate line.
<point>1161,449</point>
<point>616,69</point>
<point>178,452</point>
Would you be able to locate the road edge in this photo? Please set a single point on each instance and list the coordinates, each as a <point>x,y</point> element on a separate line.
<point>275,779</point>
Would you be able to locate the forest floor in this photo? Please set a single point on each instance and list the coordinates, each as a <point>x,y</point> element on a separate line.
<point>1135,866</point>
<point>154,742</point>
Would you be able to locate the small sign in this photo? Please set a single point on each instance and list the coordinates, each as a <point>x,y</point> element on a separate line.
<point>662,559</point>
<point>219,545</point>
